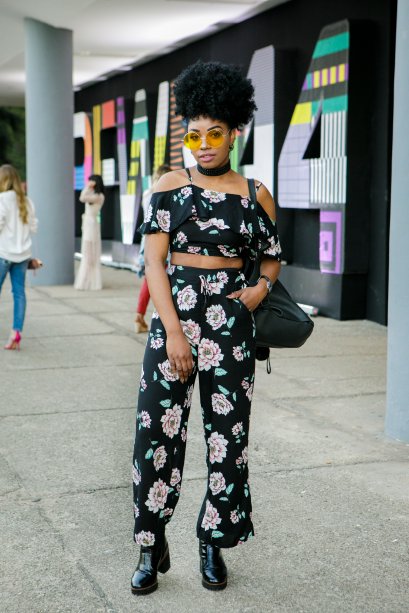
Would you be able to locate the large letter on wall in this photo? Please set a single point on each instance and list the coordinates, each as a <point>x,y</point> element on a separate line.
<point>162,118</point>
<point>82,130</point>
<point>139,169</point>
<point>306,182</point>
<point>261,72</point>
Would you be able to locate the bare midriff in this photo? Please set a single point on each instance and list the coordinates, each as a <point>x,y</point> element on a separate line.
<point>204,261</point>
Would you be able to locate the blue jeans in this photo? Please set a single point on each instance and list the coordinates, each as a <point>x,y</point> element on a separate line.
<point>17,272</point>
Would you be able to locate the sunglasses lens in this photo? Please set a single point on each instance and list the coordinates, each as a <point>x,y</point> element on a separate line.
<point>215,138</point>
<point>192,141</point>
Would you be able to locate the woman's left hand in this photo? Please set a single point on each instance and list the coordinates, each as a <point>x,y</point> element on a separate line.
<point>250,296</point>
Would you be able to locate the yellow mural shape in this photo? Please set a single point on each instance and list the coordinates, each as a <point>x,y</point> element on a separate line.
<point>302,113</point>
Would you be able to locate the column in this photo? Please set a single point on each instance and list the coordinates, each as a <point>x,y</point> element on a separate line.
<point>397,415</point>
<point>50,147</point>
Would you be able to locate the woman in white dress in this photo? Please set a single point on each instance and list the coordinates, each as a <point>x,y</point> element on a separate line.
<point>89,273</point>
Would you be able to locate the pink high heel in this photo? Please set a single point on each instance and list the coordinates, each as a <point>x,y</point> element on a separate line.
<point>14,341</point>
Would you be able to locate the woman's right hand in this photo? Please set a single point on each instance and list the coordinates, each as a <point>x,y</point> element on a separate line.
<point>180,355</point>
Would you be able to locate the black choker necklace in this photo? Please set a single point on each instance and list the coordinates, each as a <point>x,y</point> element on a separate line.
<point>214,172</point>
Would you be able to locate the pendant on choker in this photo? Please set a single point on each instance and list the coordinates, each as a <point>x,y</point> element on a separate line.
<point>214,172</point>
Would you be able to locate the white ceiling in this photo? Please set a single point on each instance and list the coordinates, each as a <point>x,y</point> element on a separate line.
<point>110,34</point>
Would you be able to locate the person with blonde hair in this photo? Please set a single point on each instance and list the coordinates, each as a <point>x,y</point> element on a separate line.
<point>17,223</point>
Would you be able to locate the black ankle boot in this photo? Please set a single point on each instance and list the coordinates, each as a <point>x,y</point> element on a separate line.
<point>212,567</point>
<point>151,560</point>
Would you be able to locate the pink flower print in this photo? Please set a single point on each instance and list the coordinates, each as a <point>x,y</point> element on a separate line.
<point>171,269</point>
<point>227,252</point>
<point>243,228</point>
<point>239,461</point>
<point>215,316</point>
<point>171,421</point>
<point>217,447</point>
<point>209,354</point>
<point>148,214</point>
<point>146,539</point>
<point>178,487</point>
<point>237,428</point>
<point>245,384</point>
<point>238,353</point>
<point>210,287</point>
<point>188,400</point>
<point>213,196</point>
<point>222,276</point>
<point>213,221</point>
<point>234,518</point>
<point>145,419</point>
<point>135,511</point>
<point>136,475</point>
<point>249,392</point>
<point>186,298</point>
<point>217,483</point>
<point>211,517</point>
<point>191,330</point>
<point>181,238</point>
<point>192,249</point>
<point>163,218</point>
<point>221,405</point>
<point>245,455</point>
<point>157,496</point>
<point>155,315</point>
<point>183,435</point>
<point>186,192</point>
<point>156,343</point>
<point>275,248</point>
<point>143,384</point>
<point>167,512</point>
<point>175,478</point>
<point>244,202</point>
<point>159,458</point>
<point>166,371</point>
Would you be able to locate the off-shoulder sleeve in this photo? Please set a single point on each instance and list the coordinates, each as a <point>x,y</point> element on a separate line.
<point>269,242</point>
<point>167,210</point>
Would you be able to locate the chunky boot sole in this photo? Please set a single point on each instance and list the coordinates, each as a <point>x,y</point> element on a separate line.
<point>163,567</point>
<point>214,586</point>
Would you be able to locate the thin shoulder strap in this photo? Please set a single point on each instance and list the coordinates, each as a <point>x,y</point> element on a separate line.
<point>252,190</point>
<point>189,175</point>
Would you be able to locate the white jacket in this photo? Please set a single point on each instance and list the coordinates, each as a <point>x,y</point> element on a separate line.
<point>15,237</point>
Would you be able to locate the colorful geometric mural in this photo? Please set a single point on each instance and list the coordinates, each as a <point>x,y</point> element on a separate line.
<point>319,181</point>
<point>176,133</point>
<point>83,130</point>
<point>162,118</point>
<point>261,72</point>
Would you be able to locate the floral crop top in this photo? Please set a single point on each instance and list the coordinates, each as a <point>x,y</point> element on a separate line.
<point>206,222</point>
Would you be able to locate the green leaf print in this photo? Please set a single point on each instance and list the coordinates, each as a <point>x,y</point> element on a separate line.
<point>149,454</point>
<point>181,281</point>
<point>234,396</point>
<point>230,322</point>
<point>219,372</point>
<point>165,384</point>
<point>230,488</point>
<point>226,333</point>
<point>155,376</point>
<point>174,290</point>
<point>224,498</point>
<point>165,403</point>
<point>208,426</point>
<point>217,534</point>
<point>223,390</point>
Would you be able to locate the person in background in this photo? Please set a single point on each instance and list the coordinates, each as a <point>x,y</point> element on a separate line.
<point>89,273</point>
<point>17,223</point>
<point>143,300</point>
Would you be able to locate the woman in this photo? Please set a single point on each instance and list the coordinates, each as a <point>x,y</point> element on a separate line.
<point>143,300</point>
<point>17,223</point>
<point>89,272</point>
<point>203,324</point>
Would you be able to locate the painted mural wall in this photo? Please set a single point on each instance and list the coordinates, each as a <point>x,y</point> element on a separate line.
<point>305,161</point>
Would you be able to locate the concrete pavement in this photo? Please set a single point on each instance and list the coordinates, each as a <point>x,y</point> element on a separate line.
<point>330,493</point>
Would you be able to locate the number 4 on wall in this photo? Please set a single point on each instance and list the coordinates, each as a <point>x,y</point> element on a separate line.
<point>312,168</point>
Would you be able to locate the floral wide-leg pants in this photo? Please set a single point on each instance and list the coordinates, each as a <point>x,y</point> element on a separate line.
<point>221,333</point>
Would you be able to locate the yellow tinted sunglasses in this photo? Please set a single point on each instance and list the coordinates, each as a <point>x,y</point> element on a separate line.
<point>214,139</point>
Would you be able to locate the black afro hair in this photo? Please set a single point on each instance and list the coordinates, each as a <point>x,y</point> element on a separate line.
<point>215,90</point>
